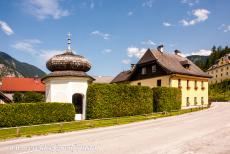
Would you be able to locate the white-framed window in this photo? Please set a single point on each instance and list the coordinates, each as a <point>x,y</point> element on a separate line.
<point>202,100</point>
<point>143,71</point>
<point>179,83</point>
<point>195,100</point>
<point>187,101</point>
<point>154,68</point>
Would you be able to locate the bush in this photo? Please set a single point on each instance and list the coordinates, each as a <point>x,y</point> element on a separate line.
<point>166,99</point>
<point>220,91</point>
<point>35,113</point>
<point>116,100</point>
<point>18,97</point>
<point>28,97</point>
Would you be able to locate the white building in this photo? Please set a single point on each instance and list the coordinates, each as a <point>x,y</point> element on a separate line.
<point>68,81</point>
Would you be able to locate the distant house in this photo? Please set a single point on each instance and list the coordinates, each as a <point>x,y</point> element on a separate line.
<point>157,68</point>
<point>102,79</point>
<point>10,85</point>
<point>220,70</point>
<point>4,99</point>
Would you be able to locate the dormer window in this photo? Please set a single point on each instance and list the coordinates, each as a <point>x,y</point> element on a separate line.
<point>154,69</point>
<point>143,71</point>
<point>185,64</point>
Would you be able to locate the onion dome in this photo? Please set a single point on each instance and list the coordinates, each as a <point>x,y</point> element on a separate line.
<point>68,61</point>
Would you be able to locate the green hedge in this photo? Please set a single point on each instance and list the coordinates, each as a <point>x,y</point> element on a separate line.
<point>116,100</point>
<point>35,113</point>
<point>166,99</point>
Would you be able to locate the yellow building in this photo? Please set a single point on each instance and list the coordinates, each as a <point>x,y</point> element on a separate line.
<point>221,70</point>
<point>158,68</point>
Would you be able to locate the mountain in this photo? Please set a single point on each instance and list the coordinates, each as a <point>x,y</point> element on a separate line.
<point>12,67</point>
<point>200,61</point>
<point>205,62</point>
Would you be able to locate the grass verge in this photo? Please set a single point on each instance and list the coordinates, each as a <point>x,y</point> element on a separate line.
<point>28,131</point>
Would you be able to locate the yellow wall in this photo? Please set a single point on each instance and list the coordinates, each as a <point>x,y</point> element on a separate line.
<point>152,82</point>
<point>219,73</point>
<point>192,92</point>
<point>172,81</point>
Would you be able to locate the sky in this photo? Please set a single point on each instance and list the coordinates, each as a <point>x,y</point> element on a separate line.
<point>111,34</point>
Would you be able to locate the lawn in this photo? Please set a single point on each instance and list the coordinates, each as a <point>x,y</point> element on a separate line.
<point>28,131</point>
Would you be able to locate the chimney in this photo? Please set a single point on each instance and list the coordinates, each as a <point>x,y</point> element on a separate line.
<point>160,48</point>
<point>132,66</point>
<point>177,52</point>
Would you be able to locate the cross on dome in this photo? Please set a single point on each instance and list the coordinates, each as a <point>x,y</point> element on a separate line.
<point>69,41</point>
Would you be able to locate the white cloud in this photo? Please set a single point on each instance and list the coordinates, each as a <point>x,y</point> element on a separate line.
<point>148,3</point>
<point>6,28</point>
<point>135,52</point>
<point>167,24</point>
<point>200,14</point>
<point>130,13</point>
<point>202,52</point>
<point>47,54</point>
<point>28,45</point>
<point>126,61</point>
<point>43,9</point>
<point>225,28</point>
<point>107,51</point>
<point>190,2</point>
<point>149,42</point>
<point>105,36</point>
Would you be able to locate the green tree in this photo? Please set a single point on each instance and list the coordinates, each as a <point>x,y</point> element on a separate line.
<point>17,97</point>
<point>30,97</point>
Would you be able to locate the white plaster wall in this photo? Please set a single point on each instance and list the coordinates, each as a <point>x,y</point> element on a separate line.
<point>61,89</point>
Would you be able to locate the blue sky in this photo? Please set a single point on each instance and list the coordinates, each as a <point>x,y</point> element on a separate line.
<point>112,34</point>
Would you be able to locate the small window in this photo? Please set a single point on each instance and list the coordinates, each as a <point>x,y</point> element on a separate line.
<point>187,101</point>
<point>221,70</point>
<point>216,76</point>
<point>195,100</point>
<point>227,68</point>
<point>188,84</point>
<point>179,83</point>
<point>202,84</point>
<point>154,69</point>
<point>226,73</point>
<point>202,100</point>
<point>139,84</point>
<point>158,83</point>
<point>221,74</point>
<point>195,84</point>
<point>143,71</point>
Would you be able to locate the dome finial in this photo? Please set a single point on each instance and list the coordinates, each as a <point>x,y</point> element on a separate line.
<point>69,41</point>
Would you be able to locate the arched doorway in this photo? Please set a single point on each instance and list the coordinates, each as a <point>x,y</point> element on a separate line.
<point>77,100</point>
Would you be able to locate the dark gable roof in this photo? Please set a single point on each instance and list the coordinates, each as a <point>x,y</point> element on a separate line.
<point>121,77</point>
<point>174,64</point>
<point>171,63</point>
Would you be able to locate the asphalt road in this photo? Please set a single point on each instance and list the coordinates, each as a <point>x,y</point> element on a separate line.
<point>200,132</point>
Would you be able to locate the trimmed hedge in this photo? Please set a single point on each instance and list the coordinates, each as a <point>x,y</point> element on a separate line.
<point>166,99</point>
<point>116,100</point>
<point>35,113</point>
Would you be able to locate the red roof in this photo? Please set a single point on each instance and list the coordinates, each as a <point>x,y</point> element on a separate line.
<point>11,84</point>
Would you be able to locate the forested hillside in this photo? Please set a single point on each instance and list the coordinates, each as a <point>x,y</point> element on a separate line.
<point>204,62</point>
